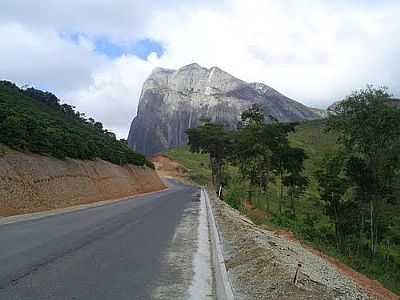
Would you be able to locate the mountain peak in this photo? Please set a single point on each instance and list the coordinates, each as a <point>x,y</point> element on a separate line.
<point>191,66</point>
<point>174,100</point>
<point>193,77</point>
<point>161,71</point>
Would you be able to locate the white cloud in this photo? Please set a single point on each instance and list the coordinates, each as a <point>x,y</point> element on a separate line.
<point>42,58</point>
<point>120,20</point>
<point>113,94</point>
<point>313,51</point>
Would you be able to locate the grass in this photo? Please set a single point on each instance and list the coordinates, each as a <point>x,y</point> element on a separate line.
<point>5,150</point>
<point>311,136</point>
<point>310,225</point>
<point>197,164</point>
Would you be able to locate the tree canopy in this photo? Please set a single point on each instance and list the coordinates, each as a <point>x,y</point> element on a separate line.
<point>33,120</point>
<point>214,140</point>
<point>257,148</point>
<point>368,129</point>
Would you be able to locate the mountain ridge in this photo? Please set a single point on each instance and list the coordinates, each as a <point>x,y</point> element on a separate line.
<point>172,101</point>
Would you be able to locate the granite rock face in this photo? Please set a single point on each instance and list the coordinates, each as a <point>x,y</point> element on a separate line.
<point>175,100</point>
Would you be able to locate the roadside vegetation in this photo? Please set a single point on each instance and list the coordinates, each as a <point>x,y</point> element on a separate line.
<point>334,183</point>
<point>36,121</point>
<point>196,163</point>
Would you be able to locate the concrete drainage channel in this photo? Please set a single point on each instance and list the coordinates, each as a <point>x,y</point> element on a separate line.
<point>222,283</point>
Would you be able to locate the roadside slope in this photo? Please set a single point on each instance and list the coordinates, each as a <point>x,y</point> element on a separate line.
<point>166,167</point>
<point>263,265</point>
<point>33,182</point>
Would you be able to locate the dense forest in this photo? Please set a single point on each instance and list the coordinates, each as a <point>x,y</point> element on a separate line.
<point>36,121</point>
<point>335,185</point>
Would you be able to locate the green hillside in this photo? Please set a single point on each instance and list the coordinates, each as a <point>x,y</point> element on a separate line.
<point>35,121</point>
<point>308,135</point>
<point>311,223</point>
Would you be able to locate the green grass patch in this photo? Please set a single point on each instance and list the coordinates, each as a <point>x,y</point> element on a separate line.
<point>197,164</point>
<point>5,150</point>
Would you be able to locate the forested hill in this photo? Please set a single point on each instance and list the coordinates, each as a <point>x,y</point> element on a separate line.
<point>33,120</point>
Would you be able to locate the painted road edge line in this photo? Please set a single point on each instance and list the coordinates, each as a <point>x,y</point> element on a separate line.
<point>222,283</point>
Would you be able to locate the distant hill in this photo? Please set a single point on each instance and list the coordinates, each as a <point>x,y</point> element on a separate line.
<point>35,121</point>
<point>174,100</point>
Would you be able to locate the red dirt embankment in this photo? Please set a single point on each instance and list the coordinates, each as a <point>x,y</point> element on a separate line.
<point>166,167</point>
<point>31,182</point>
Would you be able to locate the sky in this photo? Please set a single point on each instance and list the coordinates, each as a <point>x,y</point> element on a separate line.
<point>96,54</point>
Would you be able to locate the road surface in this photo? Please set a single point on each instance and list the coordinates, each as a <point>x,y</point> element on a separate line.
<point>141,248</point>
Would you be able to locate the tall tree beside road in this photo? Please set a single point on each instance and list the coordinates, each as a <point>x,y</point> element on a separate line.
<point>214,140</point>
<point>368,128</point>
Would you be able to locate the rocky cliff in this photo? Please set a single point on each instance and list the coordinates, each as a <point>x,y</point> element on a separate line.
<point>32,182</point>
<point>175,100</point>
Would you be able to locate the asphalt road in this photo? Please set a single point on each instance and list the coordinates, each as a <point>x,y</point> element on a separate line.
<point>115,251</point>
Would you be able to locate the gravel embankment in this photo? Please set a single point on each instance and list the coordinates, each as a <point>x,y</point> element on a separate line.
<point>262,265</point>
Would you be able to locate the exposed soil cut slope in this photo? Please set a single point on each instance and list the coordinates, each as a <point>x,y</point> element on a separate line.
<point>31,182</point>
<point>166,167</point>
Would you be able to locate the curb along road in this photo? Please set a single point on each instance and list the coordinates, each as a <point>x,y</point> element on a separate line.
<point>223,286</point>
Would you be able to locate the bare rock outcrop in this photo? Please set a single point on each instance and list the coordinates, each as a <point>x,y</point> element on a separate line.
<point>174,100</point>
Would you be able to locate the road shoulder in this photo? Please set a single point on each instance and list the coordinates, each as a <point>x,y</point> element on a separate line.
<point>188,257</point>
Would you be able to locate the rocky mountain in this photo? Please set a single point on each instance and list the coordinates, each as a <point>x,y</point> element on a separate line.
<point>175,100</point>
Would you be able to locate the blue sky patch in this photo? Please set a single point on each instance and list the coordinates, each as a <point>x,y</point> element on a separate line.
<point>71,36</point>
<point>144,47</point>
<point>104,46</point>
<point>141,48</point>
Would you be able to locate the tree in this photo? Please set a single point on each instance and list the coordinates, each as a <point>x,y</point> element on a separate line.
<point>333,185</point>
<point>250,153</point>
<point>254,116</point>
<point>285,159</point>
<point>261,148</point>
<point>34,120</point>
<point>251,149</point>
<point>214,140</point>
<point>368,127</point>
<point>295,181</point>
<point>253,157</point>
